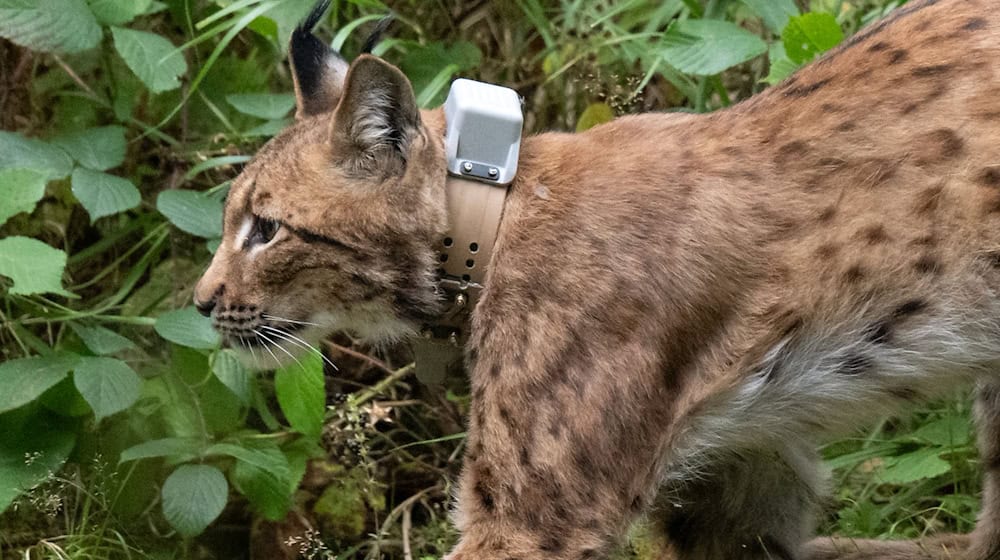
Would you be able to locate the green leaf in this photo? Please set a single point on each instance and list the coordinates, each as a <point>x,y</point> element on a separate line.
<point>286,15</point>
<point>103,194</point>
<point>262,474</point>
<point>20,152</point>
<point>108,385</point>
<point>34,267</point>
<point>593,115</point>
<point>117,12</point>
<point>188,328</point>
<point>775,13</point>
<point>30,451</point>
<point>301,393</point>
<point>267,457</point>
<point>949,431</point>
<point>191,211</point>
<point>781,66</point>
<point>25,379</point>
<point>64,26</point>
<point>230,371</point>
<point>809,35</point>
<point>705,47</point>
<point>176,448</point>
<point>268,106</point>
<point>99,148</point>
<point>193,496</point>
<point>913,466</point>
<point>20,191</point>
<point>101,341</point>
<point>424,64</point>
<point>151,57</point>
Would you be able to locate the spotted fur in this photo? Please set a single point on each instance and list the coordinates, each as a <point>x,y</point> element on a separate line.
<point>678,307</point>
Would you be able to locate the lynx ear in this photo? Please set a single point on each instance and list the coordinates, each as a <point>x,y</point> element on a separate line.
<point>376,118</point>
<point>317,70</point>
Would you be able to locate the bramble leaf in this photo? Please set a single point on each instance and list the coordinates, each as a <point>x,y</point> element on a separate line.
<point>193,497</point>
<point>151,57</point>
<point>35,267</point>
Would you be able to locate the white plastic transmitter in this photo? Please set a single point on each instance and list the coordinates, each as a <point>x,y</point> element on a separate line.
<point>484,131</point>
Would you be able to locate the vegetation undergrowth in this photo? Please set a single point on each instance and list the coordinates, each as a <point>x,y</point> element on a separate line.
<point>127,432</point>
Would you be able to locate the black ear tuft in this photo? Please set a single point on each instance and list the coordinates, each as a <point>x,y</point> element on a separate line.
<point>317,70</point>
<point>376,35</point>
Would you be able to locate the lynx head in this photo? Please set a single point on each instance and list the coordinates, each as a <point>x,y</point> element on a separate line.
<point>331,226</point>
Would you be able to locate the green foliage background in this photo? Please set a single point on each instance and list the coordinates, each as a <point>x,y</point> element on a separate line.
<point>125,431</point>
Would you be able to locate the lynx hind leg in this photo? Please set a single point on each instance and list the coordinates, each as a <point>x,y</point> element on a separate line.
<point>751,506</point>
<point>982,544</point>
<point>945,547</point>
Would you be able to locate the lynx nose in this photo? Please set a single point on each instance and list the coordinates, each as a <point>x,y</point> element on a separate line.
<point>205,306</point>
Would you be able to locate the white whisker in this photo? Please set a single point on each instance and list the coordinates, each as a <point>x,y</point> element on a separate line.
<point>297,340</point>
<point>268,348</point>
<point>279,347</point>
<point>249,347</point>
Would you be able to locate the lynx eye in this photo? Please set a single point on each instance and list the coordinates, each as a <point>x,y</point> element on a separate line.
<point>263,231</point>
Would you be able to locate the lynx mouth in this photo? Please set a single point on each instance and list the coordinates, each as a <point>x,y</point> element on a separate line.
<point>265,341</point>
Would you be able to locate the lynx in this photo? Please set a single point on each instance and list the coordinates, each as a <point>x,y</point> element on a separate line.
<point>678,307</point>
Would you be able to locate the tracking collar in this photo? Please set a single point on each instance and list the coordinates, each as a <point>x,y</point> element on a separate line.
<point>482,142</point>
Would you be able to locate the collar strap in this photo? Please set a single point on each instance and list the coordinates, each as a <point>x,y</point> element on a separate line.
<point>482,144</point>
<point>474,212</point>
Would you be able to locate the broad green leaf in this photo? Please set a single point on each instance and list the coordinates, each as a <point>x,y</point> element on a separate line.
<point>913,466</point>
<point>593,115</point>
<point>705,47</point>
<point>301,393</point>
<point>286,15</point>
<point>775,13</point>
<point>98,148</point>
<point>262,474</point>
<point>175,448</point>
<point>268,106</point>
<point>25,379</point>
<point>264,456</point>
<point>188,328</point>
<point>232,374</point>
<point>30,452</point>
<point>101,341</point>
<point>103,194</point>
<point>270,128</point>
<point>267,492</point>
<point>20,191</point>
<point>34,267</point>
<point>193,497</point>
<point>781,66</point>
<point>108,385</point>
<point>949,431</point>
<point>117,12</point>
<point>64,26</point>
<point>191,211</point>
<point>21,152</point>
<point>809,35</point>
<point>151,57</point>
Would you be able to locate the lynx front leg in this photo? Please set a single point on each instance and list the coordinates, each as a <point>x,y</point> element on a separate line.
<point>559,462</point>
